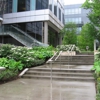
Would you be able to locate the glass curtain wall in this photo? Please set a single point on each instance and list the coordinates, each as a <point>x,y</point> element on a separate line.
<point>42,4</point>
<point>34,29</point>
<point>55,7</point>
<point>7,6</point>
<point>50,4</point>
<point>59,10</point>
<point>23,5</point>
<point>53,37</point>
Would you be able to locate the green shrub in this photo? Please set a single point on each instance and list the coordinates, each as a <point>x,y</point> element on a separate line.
<point>5,50</point>
<point>8,75</point>
<point>11,64</point>
<point>96,68</point>
<point>12,69</point>
<point>67,48</point>
<point>28,57</point>
<point>22,54</point>
<point>43,52</point>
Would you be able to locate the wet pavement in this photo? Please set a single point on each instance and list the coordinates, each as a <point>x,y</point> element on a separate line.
<point>41,89</point>
<point>31,89</point>
<point>87,67</point>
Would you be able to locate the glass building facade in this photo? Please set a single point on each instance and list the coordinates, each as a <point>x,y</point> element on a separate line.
<point>74,13</point>
<point>36,29</point>
<point>27,5</point>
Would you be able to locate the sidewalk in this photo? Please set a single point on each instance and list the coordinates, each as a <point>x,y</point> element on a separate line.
<point>31,89</point>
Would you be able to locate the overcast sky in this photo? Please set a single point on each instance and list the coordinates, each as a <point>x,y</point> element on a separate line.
<point>67,2</point>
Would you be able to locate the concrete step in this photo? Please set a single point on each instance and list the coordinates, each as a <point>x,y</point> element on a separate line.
<point>61,70</point>
<point>78,58</point>
<point>86,79</point>
<point>59,73</point>
<point>74,62</point>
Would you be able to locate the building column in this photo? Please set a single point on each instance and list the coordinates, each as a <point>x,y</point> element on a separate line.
<point>46,32</point>
<point>60,40</point>
<point>15,4</point>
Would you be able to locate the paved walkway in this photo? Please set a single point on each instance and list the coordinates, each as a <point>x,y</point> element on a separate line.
<point>31,89</point>
<point>28,89</point>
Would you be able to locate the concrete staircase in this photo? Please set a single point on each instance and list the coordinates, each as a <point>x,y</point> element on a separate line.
<point>60,74</point>
<point>76,60</point>
<point>65,68</point>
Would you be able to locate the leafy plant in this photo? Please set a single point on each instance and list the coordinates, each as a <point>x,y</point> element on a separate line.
<point>43,52</point>
<point>8,74</point>
<point>67,48</point>
<point>11,64</point>
<point>5,50</point>
<point>96,68</point>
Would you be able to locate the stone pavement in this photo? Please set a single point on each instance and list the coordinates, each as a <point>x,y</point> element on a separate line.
<point>31,89</point>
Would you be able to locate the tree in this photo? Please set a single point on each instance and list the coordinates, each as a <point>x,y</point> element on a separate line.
<point>69,33</point>
<point>87,36</point>
<point>94,15</point>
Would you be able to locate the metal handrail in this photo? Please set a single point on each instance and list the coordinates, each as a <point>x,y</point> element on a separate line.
<point>52,57</point>
<point>58,55</point>
<point>34,40</point>
<point>50,60</point>
<point>72,47</point>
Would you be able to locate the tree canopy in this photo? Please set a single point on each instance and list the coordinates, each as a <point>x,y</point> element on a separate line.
<point>86,38</point>
<point>94,15</point>
<point>69,33</point>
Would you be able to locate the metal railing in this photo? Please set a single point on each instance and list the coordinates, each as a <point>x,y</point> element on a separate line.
<point>21,36</point>
<point>50,61</point>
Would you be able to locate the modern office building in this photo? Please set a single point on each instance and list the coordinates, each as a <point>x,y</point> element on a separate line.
<point>75,13</point>
<point>25,22</point>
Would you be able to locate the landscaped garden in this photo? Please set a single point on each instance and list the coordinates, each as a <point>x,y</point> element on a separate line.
<point>96,69</point>
<point>16,58</point>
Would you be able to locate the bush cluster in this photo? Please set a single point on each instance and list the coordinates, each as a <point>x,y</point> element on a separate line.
<point>96,69</point>
<point>67,48</point>
<point>16,58</point>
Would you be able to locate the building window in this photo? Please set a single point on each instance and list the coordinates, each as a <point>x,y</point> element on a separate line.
<point>75,20</point>
<point>41,4</point>
<point>55,7</point>
<point>59,14</point>
<point>34,29</point>
<point>73,11</point>
<point>8,6</point>
<point>23,5</point>
<point>27,5</point>
<point>50,5</point>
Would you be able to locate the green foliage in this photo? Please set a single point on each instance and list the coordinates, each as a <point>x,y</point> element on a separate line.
<point>87,36</point>
<point>43,52</point>
<point>69,33</point>
<point>5,50</point>
<point>96,68</point>
<point>28,57</point>
<point>67,48</point>
<point>11,64</point>
<point>94,15</point>
<point>8,74</point>
<point>12,68</point>
<point>22,54</point>
<point>18,58</point>
<point>98,89</point>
